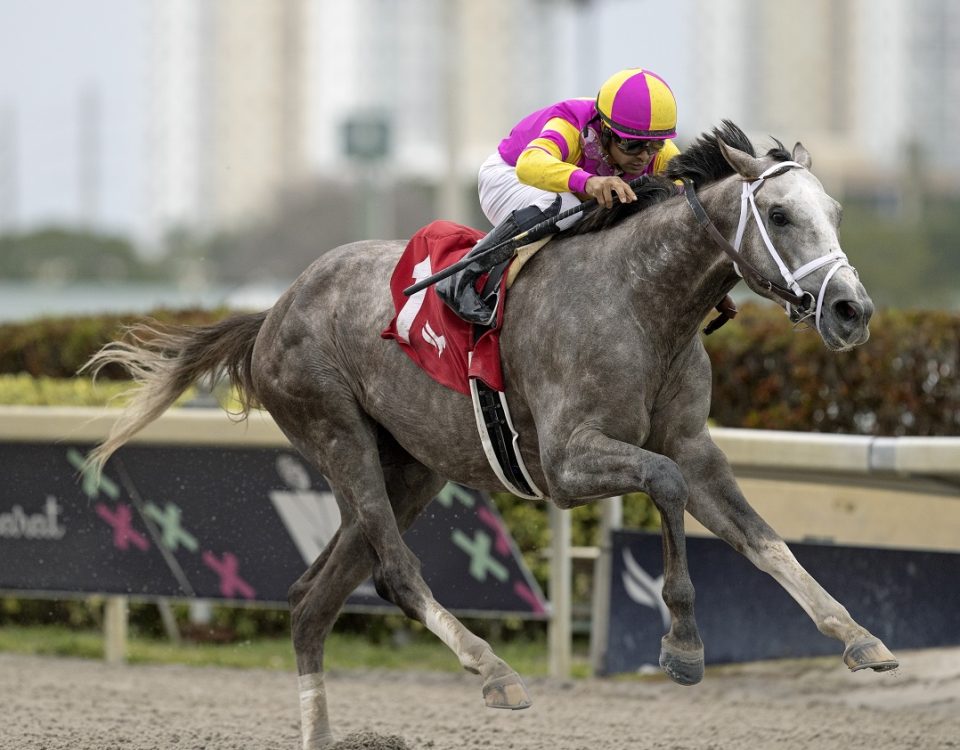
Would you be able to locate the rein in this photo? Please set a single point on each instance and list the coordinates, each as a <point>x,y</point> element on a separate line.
<point>798,301</point>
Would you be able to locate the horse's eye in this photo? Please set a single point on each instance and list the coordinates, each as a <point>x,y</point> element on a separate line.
<point>778,217</point>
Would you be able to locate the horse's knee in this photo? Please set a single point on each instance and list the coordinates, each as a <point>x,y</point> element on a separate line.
<point>567,482</point>
<point>665,484</point>
<point>302,585</point>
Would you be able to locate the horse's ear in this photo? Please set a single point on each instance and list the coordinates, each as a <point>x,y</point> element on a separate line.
<point>746,165</point>
<point>801,156</point>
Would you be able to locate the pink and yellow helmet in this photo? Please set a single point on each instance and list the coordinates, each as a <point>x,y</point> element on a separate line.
<point>637,103</point>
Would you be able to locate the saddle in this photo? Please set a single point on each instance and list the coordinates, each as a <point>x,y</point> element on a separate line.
<point>455,354</point>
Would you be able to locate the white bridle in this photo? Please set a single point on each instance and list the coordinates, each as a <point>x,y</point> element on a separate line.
<point>837,257</point>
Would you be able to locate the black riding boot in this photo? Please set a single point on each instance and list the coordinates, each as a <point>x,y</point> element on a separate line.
<point>459,291</point>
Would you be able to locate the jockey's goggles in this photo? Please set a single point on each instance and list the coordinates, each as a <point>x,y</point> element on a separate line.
<point>636,145</point>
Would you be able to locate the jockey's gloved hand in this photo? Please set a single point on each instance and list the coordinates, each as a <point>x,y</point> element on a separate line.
<point>604,188</point>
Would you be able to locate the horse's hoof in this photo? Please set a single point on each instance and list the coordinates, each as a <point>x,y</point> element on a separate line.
<point>683,667</point>
<point>869,654</point>
<point>319,741</point>
<point>507,691</point>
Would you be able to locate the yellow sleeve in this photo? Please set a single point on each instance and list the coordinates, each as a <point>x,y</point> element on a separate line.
<point>664,156</point>
<point>543,164</point>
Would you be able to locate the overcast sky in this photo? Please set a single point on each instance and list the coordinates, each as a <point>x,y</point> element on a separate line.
<point>51,51</point>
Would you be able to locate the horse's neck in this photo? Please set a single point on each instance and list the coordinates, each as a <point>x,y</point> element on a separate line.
<point>678,273</point>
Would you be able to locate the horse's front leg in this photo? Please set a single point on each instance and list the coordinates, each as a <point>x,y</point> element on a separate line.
<point>717,502</point>
<point>591,466</point>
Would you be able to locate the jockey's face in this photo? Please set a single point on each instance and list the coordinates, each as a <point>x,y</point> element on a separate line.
<point>633,156</point>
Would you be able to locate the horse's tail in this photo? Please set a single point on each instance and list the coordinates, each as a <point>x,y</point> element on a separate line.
<point>165,361</point>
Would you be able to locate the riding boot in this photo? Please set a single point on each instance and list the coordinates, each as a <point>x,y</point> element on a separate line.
<point>459,291</point>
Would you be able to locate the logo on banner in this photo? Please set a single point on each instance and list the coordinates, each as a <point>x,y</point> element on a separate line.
<point>19,524</point>
<point>164,525</point>
<point>311,518</point>
<point>643,588</point>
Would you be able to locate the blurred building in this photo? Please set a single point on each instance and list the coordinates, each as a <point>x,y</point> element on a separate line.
<point>870,86</point>
<point>448,77</point>
<point>227,123</point>
<point>175,125</point>
<point>426,65</point>
<point>934,49</point>
<point>252,99</point>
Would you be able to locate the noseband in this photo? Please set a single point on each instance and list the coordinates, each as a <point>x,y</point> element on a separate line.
<point>798,301</point>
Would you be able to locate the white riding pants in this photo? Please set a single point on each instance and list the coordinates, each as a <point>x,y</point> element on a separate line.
<point>501,193</point>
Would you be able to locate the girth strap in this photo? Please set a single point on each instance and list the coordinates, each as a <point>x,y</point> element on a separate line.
<point>500,440</point>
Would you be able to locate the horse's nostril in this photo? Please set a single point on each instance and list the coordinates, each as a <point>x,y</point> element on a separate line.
<point>847,311</point>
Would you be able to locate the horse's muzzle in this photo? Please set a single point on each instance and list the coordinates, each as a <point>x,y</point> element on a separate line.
<point>846,323</point>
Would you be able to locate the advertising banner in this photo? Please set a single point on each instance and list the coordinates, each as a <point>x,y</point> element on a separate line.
<point>225,523</point>
<point>907,598</point>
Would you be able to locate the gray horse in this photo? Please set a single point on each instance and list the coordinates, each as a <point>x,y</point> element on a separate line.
<point>607,380</point>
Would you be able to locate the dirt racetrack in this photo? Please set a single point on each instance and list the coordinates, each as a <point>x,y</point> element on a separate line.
<point>56,704</point>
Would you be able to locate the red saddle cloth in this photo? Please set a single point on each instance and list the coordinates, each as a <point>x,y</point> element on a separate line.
<point>441,343</point>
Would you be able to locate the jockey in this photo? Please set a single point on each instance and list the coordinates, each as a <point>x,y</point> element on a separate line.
<point>560,156</point>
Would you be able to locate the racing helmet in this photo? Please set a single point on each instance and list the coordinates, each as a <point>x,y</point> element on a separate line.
<point>637,103</point>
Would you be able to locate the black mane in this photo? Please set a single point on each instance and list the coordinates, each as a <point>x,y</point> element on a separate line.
<point>651,189</point>
<point>702,163</point>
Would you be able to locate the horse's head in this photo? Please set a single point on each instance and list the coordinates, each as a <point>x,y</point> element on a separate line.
<point>788,230</point>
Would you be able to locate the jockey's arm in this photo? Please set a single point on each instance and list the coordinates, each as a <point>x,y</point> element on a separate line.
<point>549,160</point>
<point>540,165</point>
<point>664,156</point>
<point>549,163</point>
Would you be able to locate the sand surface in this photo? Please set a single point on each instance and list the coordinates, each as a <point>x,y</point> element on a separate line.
<point>53,703</point>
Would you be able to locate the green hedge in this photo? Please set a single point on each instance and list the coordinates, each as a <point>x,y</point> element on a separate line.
<point>26,390</point>
<point>58,347</point>
<point>903,381</point>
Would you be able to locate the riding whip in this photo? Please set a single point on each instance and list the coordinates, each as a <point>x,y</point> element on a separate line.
<point>533,233</point>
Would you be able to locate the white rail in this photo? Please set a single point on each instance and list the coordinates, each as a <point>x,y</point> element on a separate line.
<point>746,449</point>
<point>848,454</point>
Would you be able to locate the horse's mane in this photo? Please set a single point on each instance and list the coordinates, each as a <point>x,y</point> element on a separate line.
<point>702,163</point>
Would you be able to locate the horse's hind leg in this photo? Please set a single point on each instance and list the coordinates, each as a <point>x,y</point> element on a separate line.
<point>315,600</point>
<point>502,686</point>
<point>343,443</point>
<point>396,574</point>
<point>717,502</point>
<point>317,597</point>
